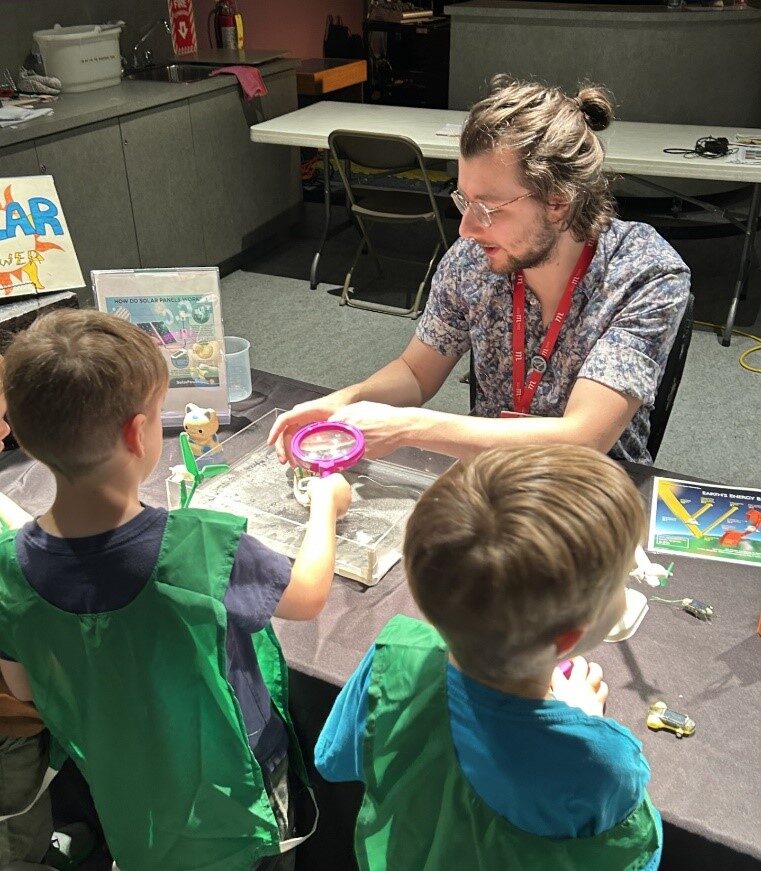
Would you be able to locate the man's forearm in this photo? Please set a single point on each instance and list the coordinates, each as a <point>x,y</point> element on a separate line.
<point>394,384</point>
<point>464,437</point>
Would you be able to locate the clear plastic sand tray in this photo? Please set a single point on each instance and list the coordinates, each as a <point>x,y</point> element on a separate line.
<point>260,488</point>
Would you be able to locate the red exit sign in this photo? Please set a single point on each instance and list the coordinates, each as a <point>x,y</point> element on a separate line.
<point>183,25</point>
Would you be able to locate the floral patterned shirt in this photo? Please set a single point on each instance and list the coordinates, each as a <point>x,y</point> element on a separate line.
<point>623,318</point>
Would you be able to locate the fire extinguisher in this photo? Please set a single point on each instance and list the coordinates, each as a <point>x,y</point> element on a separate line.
<point>227,25</point>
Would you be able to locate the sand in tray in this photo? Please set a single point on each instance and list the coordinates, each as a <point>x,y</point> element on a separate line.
<point>261,489</point>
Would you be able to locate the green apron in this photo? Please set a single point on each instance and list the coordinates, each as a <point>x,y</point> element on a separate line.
<point>420,813</point>
<point>139,699</point>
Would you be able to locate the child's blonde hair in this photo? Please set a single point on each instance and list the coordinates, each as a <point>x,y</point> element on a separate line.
<point>72,380</point>
<point>554,136</point>
<point>506,552</point>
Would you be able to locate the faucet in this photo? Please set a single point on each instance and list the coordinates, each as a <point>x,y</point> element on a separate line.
<point>136,64</point>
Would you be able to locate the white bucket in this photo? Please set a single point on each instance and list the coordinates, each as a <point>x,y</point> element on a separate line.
<point>84,58</point>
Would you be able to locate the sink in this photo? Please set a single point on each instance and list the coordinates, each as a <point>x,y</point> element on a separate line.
<point>171,73</point>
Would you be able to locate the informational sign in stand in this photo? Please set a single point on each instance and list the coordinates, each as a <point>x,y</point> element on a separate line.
<point>180,310</point>
<point>36,252</point>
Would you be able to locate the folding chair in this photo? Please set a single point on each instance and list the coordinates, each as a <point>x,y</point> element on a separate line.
<point>367,204</point>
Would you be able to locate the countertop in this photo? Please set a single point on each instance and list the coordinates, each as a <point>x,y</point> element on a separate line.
<point>226,56</point>
<point>77,110</point>
<point>537,11</point>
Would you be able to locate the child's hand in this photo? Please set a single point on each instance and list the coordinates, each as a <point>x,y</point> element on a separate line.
<point>313,567</point>
<point>583,688</point>
<point>334,491</point>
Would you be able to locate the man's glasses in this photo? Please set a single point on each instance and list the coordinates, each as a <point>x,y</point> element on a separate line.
<point>481,212</point>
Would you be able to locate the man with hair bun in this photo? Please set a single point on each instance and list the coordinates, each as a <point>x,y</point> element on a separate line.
<point>570,312</point>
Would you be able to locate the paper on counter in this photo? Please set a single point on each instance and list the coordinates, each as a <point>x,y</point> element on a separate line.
<point>747,139</point>
<point>450,130</point>
<point>747,154</point>
<point>12,115</point>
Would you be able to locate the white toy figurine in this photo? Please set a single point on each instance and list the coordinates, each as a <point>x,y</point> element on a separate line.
<point>651,573</point>
<point>201,425</point>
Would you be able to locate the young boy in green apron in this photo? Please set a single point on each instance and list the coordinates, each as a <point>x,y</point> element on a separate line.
<point>23,753</point>
<point>143,636</point>
<point>475,750</point>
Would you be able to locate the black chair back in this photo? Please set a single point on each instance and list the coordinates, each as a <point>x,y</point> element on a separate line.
<point>375,150</point>
<point>368,201</point>
<point>672,376</point>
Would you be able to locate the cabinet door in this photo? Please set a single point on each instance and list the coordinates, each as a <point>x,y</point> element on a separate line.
<point>166,202</point>
<point>18,160</point>
<point>88,167</point>
<point>245,185</point>
<point>279,188</point>
<point>225,179</point>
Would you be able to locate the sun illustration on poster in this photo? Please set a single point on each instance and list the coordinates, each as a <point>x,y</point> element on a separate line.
<point>18,256</point>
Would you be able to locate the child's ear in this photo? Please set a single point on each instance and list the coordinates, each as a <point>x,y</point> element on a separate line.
<point>566,641</point>
<point>132,434</point>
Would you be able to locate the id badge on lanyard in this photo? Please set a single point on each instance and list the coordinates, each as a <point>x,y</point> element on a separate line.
<point>524,390</point>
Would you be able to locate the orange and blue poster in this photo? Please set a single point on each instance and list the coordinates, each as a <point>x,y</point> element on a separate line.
<point>706,520</point>
<point>36,251</point>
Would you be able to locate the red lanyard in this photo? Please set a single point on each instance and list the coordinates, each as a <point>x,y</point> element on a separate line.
<point>523,391</point>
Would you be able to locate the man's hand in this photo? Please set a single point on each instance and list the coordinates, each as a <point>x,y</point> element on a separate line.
<point>287,425</point>
<point>583,688</point>
<point>332,492</point>
<point>383,426</point>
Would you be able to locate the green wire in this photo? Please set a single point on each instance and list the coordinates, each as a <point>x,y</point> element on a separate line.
<point>667,601</point>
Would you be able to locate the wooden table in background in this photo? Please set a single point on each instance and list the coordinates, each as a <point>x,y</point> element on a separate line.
<point>323,75</point>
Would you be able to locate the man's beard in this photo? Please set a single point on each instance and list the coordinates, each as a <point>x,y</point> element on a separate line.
<point>543,246</point>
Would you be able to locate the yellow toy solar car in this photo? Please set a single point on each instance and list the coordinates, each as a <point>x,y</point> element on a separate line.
<point>662,717</point>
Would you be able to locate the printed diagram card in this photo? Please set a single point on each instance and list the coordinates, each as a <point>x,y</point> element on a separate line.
<point>180,310</point>
<point>706,520</point>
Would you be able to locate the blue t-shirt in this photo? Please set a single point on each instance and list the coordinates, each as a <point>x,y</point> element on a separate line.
<point>546,767</point>
<point>106,572</point>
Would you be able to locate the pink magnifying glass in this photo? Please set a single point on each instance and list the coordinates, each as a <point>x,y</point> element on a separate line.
<point>326,446</point>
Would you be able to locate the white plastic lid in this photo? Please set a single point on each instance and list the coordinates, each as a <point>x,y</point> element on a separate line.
<point>75,32</point>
